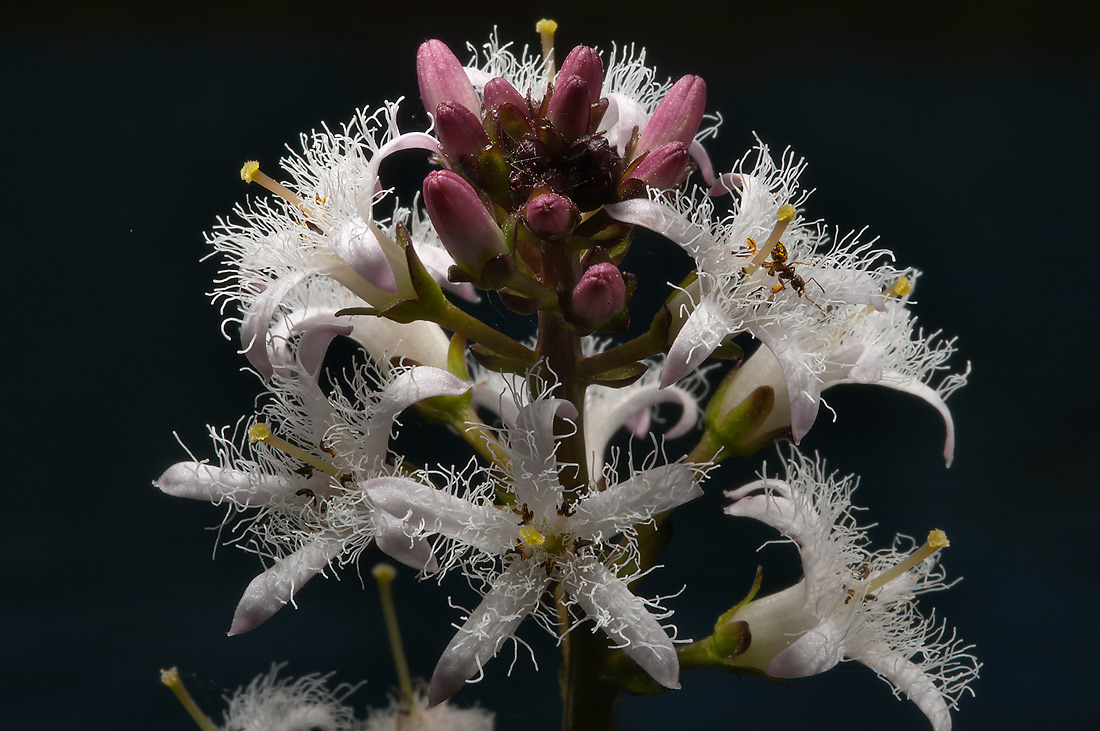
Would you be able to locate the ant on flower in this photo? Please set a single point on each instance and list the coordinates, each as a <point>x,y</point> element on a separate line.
<point>783,270</point>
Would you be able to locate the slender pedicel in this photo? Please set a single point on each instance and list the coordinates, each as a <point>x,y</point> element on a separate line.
<point>171,678</point>
<point>384,574</point>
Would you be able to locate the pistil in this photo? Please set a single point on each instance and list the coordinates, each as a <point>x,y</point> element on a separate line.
<point>936,540</point>
<point>784,216</point>
<point>546,29</point>
<point>171,678</point>
<point>384,574</point>
<point>261,433</point>
<point>251,173</point>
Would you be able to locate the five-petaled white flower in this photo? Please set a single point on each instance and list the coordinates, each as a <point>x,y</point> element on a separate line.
<point>271,703</point>
<point>546,537</point>
<point>852,603</point>
<point>307,484</point>
<point>762,270</point>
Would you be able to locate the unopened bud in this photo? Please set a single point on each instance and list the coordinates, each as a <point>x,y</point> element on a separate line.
<point>599,295</point>
<point>442,78</point>
<point>677,117</point>
<point>499,92</point>
<point>584,62</point>
<point>466,229</point>
<point>550,215</point>
<point>663,167</point>
<point>460,131</point>
<point>569,110</point>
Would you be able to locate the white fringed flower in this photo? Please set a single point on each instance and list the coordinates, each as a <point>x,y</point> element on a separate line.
<point>862,346</point>
<point>306,483</point>
<point>852,603</point>
<point>742,286</point>
<point>518,553</point>
<point>322,223</point>
<point>270,703</point>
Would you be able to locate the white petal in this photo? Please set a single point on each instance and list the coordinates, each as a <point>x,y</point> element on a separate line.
<point>421,341</point>
<point>425,510</point>
<point>257,320</point>
<point>899,382</point>
<point>270,591</point>
<point>624,618</point>
<point>622,116</point>
<point>408,141</point>
<point>629,407</point>
<point>534,465</point>
<point>814,652</point>
<point>803,386</point>
<point>702,159</point>
<point>703,331</point>
<point>514,595</point>
<point>414,552</point>
<point>410,386</point>
<point>636,500</point>
<point>910,679</point>
<point>200,481</point>
<point>661,219</point>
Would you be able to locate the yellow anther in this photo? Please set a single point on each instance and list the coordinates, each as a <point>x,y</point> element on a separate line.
<point>249,170</point>
<point>531,537</point>
<point>937,539</point>
<point>259,433</point>
<point>786,213</point>
<point>901,287</point>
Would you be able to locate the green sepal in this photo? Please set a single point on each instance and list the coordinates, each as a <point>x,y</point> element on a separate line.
<point>497,272</point>
<point>493,172</point>
<point>427,289</point>
<point>518,303</point>
<point>732,637</point>
<point>349,311</point>
<point>626,675</point>
<point>728,350</point>
<point>514,124</point>
<point>456,357</point>
<point>736,429</point>
<point>494,361</point>
<point>619,376</point>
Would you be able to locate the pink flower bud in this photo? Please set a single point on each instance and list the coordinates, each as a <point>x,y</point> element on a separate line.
<point>460,131</point>
<point>584,62</point>
<point>599,295</point>
<point>550,214</point>
<point>569,110</point>
<point>662,168</point>
<point>442,78</point>
<point>466,229</point>
<point>499,92</point>
<point>677,117</point>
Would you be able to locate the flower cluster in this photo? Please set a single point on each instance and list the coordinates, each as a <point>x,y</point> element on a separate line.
<point>544,174</point>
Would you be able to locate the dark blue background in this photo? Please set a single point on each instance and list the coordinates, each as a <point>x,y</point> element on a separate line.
<point>965,137</point>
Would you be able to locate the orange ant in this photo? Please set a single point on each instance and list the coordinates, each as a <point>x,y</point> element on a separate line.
<point>783,270</point>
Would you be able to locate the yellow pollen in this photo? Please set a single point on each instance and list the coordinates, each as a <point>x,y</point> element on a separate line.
<point>260,432</point>
<point>937,539</point>
<point>546,29</point>
<point>249,170</point>
<point>531,537</point>
<point>901,287</point>
<point>786,213</point>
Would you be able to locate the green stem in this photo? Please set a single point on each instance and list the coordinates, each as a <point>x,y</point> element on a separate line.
<point>644,346</point>
<point>590,703</point>
<point>453,318</point>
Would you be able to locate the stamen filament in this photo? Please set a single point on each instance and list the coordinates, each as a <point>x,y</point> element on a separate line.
<point>251,173</point>
<point>384,574</point>
<point>937,539</point>
<point>546,29</point>
<point>261,433</point>
<point>783,217</point>
<point>171,678</point>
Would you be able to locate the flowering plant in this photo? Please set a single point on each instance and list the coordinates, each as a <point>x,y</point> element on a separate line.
<point>545,174</point>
